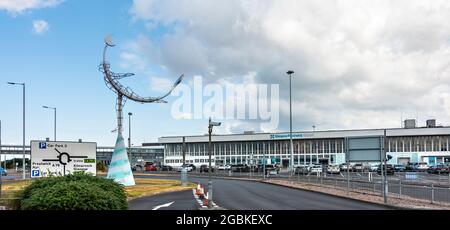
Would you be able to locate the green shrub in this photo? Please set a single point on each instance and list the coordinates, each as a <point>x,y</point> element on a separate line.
<point>78,191</point>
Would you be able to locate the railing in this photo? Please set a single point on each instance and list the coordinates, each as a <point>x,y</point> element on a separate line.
<point>424,187</point>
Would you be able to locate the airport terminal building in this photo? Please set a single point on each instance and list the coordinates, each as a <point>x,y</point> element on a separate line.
<point>410,144</point>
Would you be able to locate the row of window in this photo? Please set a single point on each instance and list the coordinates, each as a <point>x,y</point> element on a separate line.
<point>187,161</point>
<point>394,144</point>
<point>419,144</point>
<point>258,148</point>
<point>298,159</point>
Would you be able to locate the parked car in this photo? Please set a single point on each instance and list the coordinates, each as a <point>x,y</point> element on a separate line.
<point>205,168</point>
<point>316,169</point>
<point>151,167</point>
<point>333,169</point>
<point>240,168</point>
<point>137,167</point>
<point>344,167</point>
<point>389,169</point>
<point>301,169</point>
<point>399,168</point>
<point>189,167</point>
<point>165,168</point>
<point>224,167</point>
<point>3,171</point>
<point>358,167</point>
<point>373,167</point>
<point>271,168</point>
<point>421,166</point>
<point>438,169</point>
<point>409,166</point>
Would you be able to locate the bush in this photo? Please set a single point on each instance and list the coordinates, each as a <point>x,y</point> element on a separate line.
<point>78,191</point>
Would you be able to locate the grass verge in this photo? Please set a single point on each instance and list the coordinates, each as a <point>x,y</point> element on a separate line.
<point>150,187</point>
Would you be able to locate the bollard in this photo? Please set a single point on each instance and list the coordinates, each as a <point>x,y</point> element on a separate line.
<point>432,193</point>
<point>399,189</point>
<point>374,187</point>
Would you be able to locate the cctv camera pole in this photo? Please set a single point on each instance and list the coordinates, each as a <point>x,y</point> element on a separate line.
<point>382,169</point>
<point>183,169</point>
<point>210,188</point>
<point>385,182</point>
<point>129,136</point>
<point>291,161</point>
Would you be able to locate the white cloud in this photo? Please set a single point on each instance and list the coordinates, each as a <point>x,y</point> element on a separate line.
<point>40,26</point>
<point>160,84</point>
<point>359,64</point>
<point>19,6</point>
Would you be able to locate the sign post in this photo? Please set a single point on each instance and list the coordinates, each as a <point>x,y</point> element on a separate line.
<point>365,149</point>
<point>50,158</point>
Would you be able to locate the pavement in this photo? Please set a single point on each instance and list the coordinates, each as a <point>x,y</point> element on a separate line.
<point>250,195</point>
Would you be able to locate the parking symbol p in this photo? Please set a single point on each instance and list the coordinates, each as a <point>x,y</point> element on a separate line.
<point>42,145</point>
<point>35,173</point>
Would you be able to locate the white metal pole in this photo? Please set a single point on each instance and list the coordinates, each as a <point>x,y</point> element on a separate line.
<point>55,125</point>
<point>23,150</point>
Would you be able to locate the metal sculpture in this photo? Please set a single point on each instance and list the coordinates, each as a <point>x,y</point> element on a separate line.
<point>120,168</point>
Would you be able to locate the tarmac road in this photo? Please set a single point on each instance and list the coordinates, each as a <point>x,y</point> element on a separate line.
<point>178,201</point>
<point>248,195</point>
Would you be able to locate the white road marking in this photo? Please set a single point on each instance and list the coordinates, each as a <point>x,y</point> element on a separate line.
<point>163,206</point>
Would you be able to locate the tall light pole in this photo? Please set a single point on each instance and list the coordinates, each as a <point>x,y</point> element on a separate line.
<point>23,143</point>
<point>129,136</point>
<point>54,110</point>
<point>210,188</point>
<point>291,161</point>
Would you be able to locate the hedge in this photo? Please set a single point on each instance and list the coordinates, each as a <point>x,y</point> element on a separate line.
<point>78,191</point>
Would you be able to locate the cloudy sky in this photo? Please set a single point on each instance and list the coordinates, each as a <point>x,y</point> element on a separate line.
<point>358,64</point>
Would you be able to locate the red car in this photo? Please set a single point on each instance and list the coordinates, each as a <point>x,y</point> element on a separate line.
<point>150,167</point>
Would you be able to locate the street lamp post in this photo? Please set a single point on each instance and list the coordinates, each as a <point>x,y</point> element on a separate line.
<point>129,136</point>
<point>291,161</point>
<point>210,187</point>
<point>54,110</point>
<point>23,143</point>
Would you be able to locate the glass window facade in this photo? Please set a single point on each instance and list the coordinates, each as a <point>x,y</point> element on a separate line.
<point>306,151</point>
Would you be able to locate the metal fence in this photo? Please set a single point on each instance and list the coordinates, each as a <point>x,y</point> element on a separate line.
<point>401,186</point>
<point>396,189</point>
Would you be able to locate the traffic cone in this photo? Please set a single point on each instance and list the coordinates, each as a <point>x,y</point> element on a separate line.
<point>198,189</point>
<point>202,192</point>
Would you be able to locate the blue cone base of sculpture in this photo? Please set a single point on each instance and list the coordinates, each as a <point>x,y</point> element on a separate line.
<point>120,168</point>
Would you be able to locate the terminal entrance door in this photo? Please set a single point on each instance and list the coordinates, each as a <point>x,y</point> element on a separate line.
<point>285,163</point>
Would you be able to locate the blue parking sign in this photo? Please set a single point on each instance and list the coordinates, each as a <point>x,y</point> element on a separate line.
<point>35,173</point>
<point>42,145</point>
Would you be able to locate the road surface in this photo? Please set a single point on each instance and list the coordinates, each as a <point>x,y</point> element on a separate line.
<point>248,195</point>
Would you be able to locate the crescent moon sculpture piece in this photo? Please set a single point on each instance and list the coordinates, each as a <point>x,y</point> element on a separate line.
<point>120,168</point>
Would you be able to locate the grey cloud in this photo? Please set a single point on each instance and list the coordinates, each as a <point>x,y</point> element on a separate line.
<point>358,63</point>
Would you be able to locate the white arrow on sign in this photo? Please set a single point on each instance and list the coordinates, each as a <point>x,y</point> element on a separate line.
<point>163,206</point>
